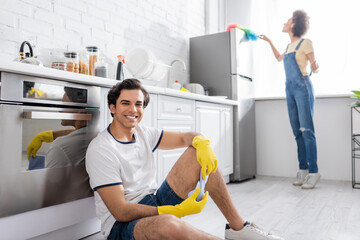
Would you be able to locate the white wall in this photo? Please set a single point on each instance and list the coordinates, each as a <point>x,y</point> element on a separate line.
<point>117,27</point>
<point>276,148</point>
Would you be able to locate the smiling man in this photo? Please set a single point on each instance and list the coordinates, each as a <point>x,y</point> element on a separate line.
<point>122,170</point>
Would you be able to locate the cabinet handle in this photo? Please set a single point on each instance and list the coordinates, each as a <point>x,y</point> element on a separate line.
<point>178,109</point>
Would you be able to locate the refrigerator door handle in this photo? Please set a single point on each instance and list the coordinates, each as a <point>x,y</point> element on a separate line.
<point>243,76</point>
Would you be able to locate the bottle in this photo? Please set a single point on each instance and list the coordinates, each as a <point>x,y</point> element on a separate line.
<point>101,68</point>
<point>93,52</point>
<point>120,68</point>
<point>176,85</point>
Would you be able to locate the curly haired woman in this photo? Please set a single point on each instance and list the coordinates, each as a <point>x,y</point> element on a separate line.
<point>300,96</point>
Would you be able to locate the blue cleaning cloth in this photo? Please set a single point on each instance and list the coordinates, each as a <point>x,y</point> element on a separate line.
<point>37,163</point>
<point>202,188</point>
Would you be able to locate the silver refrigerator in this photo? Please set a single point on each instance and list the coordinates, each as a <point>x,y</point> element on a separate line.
<point>222,62</point>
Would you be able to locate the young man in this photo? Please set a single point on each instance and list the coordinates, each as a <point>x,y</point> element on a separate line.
<point>122,172</point>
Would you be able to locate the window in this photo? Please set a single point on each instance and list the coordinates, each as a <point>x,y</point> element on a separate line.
<point>333,30</point>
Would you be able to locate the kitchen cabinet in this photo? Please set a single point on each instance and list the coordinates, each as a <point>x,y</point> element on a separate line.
<point>167,158</point>
<point>174,115</point>
<point>150,113</point>
<point>105,116</point>
<point>215,122</point>
<point>226,143</point>
<point>176,108</point>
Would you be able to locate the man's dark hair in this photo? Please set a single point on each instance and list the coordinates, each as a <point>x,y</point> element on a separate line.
<point>130,84</point>
<point>301,23</point>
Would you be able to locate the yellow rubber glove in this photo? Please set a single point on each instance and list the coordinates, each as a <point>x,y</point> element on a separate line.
<point>36,143</point>
<point>187,207</point>
<point>34,90</point>
<point>205,155</point>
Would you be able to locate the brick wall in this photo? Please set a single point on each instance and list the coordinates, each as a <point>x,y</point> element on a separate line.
<point>116,26</point>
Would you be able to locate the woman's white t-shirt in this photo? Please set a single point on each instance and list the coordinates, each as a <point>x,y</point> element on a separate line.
<point>132,164</point>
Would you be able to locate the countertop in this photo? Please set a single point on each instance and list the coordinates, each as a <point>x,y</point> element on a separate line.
<point>317,96</point>
<point>32,70</point>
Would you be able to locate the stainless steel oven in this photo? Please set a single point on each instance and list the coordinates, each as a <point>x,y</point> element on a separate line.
<point>29,108</point>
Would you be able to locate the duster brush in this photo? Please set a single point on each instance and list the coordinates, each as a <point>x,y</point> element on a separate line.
<point>249,35</point>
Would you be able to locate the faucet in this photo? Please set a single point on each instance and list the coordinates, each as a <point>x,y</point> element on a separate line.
<point>171,65</point>
<point>179,60</point>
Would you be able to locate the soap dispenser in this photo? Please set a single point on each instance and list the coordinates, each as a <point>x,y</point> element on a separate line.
<point>176,85</point>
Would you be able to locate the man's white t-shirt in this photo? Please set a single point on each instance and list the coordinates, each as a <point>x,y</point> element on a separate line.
<point>68,150</point>
<point>132,164</point>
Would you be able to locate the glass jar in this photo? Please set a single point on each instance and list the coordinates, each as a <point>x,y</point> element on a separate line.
<point>84,63</point>
<point>59,65</point>
<point>101,68</point>
<point>72,61</point>
<point>93,52</point>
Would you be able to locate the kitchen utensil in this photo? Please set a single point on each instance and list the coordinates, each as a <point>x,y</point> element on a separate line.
<point>195,88</point>
<point>27,57</point>
<point>201,184</point>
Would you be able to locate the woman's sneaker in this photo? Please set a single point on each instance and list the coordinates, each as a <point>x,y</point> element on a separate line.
<point>249,232</point>
<point>300,177</point>
<point>310,180</point>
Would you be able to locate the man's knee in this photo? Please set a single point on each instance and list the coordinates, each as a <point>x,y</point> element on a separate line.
<point>172,227</point>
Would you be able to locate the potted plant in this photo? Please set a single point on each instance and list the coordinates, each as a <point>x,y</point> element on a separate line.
<point>357,97</point>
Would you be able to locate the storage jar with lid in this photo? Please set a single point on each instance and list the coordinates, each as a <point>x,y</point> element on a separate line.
<point>93,52</point>
<point>58,65</point>
<point>101,68</point>
<point>72,61</point>
<point>84,63</point>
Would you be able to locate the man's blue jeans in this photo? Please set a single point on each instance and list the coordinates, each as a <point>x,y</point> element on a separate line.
<point>300,103</point>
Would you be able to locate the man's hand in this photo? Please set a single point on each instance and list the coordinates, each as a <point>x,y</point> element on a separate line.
<point>205,155</point>
<point>187,207</point>
<point>36,143</point>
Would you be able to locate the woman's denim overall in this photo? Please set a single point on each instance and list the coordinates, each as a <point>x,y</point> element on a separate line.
<point>300,103</point>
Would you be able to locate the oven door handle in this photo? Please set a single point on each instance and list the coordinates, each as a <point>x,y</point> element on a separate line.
<point>56,115</point>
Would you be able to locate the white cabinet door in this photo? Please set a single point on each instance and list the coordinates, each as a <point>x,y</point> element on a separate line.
<point>208,118</point>
<point>167,158</point>
<point>150,113</point>
<point>105,116</point>
<point>227,165</point>
<point>215,122</point>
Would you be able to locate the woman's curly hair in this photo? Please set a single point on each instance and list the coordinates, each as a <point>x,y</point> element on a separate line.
<point>301,23</point>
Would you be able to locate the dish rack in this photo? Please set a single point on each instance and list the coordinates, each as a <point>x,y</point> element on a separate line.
<point>143,65</point>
